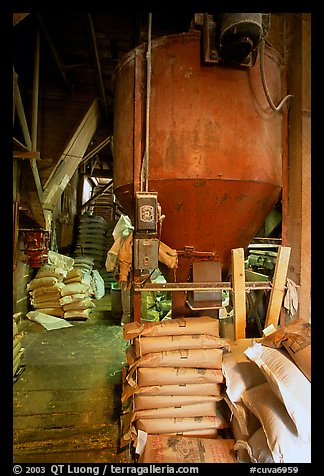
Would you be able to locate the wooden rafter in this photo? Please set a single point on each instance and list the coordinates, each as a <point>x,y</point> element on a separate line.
<point>17,17</point>
<point>21,111</point>
<point>101,87</point>
<point>32,184</point>
<point>54,53</point>
<point>27,154</point>
<point>71,157</point>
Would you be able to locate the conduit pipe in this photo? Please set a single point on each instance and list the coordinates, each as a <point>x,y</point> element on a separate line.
<point>145,163</point>
<point>264,83</point>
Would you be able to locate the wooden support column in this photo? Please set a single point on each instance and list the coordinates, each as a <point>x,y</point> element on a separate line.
<point>31,187</point>
<point>278,287</point>
<point>299,179</point>
<point>136,311</point>
<point>21,112</point>
<point>239,293</point>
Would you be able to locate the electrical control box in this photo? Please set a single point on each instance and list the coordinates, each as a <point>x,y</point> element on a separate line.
<point>146,213</point>
<point>146,253</point>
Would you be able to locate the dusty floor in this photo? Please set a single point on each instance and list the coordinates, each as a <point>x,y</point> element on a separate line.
<point>67,399</point>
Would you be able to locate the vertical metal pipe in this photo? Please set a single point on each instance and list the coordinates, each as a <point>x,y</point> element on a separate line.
<point>148,96</point>
<point>15,76</point>
<point>35,94</point>
<point>98,66</point>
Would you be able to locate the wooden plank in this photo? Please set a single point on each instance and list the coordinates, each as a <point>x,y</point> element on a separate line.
<point>239,293</point>
<point>71,157</point>
<point>27,138</point>
<point>54,53</point>
<point>19,144</point>
<point>30,193</point>
<point>28,154</point>
<point>299,219</point>
<point>21,112</point>
<point>278,286</point>
<point>17,17</point>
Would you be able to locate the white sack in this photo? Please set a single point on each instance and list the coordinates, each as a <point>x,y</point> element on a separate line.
<point>288,383</point>
<point>49,322</point>
<point>256,447</point>
<point>239,371</point>
<point>280,432</point>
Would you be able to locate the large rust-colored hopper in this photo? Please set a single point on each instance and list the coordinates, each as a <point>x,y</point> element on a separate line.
<point>215,147</point>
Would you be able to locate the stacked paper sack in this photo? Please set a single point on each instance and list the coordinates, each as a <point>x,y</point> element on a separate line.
<point>61,290</point>
<point>18,350</point>
<point>269,393</point>
<point>174,385</point>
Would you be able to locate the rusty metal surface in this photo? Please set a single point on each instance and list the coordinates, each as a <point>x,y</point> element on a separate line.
<point>215,145</point>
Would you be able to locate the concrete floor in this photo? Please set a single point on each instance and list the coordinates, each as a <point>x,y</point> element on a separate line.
<point>67,399</point>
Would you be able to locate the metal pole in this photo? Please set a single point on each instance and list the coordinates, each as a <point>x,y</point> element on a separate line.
<point>35,94</point>
<point>148,96</point>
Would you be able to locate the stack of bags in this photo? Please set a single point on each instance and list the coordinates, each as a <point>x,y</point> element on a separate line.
<point>84,263</point>
<point>45,290</point>
<point>92,238</point>
<point>174,382</point>
<point>76,301</point>
<point>93,241</point>
<point>108,276</point>
<point>269,393</point>
<point>17,348</point>
<point>62,289</point>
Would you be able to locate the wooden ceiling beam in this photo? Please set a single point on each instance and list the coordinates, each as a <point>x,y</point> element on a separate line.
<point>17,17</point>
<point>27,154</point>
<point>21,111</point>
<point>55,54</point>
<point>95,150</point>
<point>71,157</point>
<point>101,88</point>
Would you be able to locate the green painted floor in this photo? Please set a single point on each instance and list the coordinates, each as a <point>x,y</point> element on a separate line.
<point>67,399</point>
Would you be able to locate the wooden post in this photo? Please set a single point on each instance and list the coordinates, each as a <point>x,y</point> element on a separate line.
<point>239,293</point>
<point>278,286</point>
<point>136,297</point>
<point>299,218</point>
